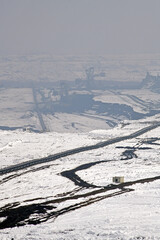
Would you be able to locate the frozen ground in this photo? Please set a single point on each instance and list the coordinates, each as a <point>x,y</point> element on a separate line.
<point>48,204</point>
<point>18,107</point>
<point>18,110</point>
<point>74,197</point>
<point>141,100</point>
<point>55,68</point>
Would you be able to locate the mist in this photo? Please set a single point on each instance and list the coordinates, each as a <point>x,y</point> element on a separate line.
<point>83,27</point>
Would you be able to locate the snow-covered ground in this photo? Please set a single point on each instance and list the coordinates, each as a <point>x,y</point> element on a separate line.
<point>55,68</point>
<point>141,100</point>
<point>18,107</point>
<point>44,192</point>
<point>95,213</point>
<point>66,122</point>
<point>18,111</point>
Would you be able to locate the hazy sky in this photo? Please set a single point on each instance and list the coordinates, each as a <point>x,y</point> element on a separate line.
<point>79,26</point>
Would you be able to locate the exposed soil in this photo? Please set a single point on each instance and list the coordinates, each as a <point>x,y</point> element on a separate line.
<point>16,215</point>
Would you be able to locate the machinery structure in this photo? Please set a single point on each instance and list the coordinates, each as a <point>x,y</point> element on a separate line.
<point>89,81</point>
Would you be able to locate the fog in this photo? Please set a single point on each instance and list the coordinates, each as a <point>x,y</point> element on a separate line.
<point>79,27</point>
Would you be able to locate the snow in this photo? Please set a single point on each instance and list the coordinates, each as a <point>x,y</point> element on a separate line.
<point>64,122</point>
<point>131,215</point>
<point>17,146</point>
<point>55,68</point>
<point>128,215</point>
<point>141,100</point>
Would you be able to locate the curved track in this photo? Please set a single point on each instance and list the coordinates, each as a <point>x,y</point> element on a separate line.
<point>54,157</point>
<point>16,215</point>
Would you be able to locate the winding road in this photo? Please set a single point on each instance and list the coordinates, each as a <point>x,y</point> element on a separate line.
<point>66,153</point>
<point>30,211</point>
